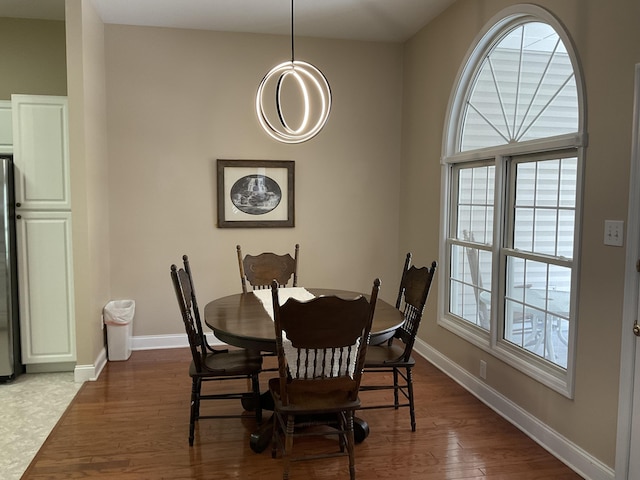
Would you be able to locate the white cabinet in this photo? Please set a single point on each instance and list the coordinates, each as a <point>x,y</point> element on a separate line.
<point>45,272</point>
<point>6,130</point>
<point>43,229</point>
<point>41,152</point>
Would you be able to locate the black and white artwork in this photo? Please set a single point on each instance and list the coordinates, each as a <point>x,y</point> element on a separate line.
<point>256,194</point>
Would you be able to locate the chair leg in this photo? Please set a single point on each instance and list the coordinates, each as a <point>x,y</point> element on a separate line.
<point>275,435</point>
<point>410,392</point>
<point>396,402</point>
<point>342,425</point>
<point>350,443</point>
<point>288,446</point>
<point>196,384</point>
<point>256,397</point>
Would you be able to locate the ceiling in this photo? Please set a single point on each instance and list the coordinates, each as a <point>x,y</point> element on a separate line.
<point>370,20</point>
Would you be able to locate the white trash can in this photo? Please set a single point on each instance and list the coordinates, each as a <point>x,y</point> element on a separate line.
<point>118,317</point>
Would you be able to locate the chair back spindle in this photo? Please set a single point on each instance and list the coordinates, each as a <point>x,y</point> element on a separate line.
<point>415,290</point>
<point>321,343</point>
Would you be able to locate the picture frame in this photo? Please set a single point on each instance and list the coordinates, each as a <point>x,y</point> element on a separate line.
<point>256,193</point>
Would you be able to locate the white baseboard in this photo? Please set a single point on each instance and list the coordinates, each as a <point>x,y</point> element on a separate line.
<point>83,373</point>
<point>153,342</point>
<point>560,447</point>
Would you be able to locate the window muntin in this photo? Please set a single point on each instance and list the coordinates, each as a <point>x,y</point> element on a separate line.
<point>537,308</point>
<point>519,106</point>
<point>475,202</point>
<point>539,262</point>
<point>471,260</point>
<point>533,100</point>
<point>545,206</point>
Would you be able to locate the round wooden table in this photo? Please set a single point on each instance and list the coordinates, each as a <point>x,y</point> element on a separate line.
<point>242,321</point>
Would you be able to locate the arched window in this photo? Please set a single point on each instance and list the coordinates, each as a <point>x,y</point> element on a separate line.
<point>513,155</point>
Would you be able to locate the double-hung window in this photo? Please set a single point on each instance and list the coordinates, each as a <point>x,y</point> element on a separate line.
<point>513,160</point>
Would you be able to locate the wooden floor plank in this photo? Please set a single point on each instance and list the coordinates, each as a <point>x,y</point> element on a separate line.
<point>132,423</point>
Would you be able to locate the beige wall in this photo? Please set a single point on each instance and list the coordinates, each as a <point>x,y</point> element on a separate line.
<point>608,44</point>
<point>89,175</point>
<point>180,99</point>
<point>32,54</point>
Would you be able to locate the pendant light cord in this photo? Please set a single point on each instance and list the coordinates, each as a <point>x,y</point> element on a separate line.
<point>292,46</point>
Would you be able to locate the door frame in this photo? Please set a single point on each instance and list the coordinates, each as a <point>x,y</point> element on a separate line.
<point>630,306</point>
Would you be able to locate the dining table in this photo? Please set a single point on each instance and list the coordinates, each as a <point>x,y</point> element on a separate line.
<point>244,320</point>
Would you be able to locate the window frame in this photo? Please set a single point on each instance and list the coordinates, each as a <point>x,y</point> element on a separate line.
<point>573,144</point>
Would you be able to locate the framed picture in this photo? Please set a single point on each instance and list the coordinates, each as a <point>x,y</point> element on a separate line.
<point>256,193</point>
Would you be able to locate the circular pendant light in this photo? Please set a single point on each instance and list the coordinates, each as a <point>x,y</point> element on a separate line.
<point>313,98</point>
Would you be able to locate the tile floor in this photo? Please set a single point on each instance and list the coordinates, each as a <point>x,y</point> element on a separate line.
<point>30,407</point>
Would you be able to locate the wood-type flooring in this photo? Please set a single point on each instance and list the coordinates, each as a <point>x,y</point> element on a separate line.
<point>132,423</point>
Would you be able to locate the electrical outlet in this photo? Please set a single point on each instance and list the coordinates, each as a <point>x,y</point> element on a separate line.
<point>614,233</point>
<point>483,369</point>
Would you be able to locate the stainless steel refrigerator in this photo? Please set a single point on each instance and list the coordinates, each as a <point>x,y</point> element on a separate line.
<point>10,360</point>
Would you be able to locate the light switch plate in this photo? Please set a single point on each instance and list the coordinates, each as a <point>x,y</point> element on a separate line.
<point>614,233</point>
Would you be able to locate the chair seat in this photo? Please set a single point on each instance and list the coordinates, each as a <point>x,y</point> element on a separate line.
<point>379,356</point>
<point>233,362</point>
<point>306,404</point>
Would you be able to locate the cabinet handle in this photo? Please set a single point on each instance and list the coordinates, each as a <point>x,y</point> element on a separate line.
<point>18,204</point>
<point>18,217</point>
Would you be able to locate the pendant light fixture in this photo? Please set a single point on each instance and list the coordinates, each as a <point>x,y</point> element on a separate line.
<point>312,96</point>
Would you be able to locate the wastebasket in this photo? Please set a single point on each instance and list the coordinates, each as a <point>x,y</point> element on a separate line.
<point>118,317</point>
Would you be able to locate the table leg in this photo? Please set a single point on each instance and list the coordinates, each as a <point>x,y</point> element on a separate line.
<point>265,401</point>
<point>360,429</point>
<point>261,438</point>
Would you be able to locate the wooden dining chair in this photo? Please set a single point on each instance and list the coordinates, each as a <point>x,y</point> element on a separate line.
<point>196,311</point>
<point>321,346</point>
<point>395,356</point>
<point>212,365</point>
<point>259,270</point>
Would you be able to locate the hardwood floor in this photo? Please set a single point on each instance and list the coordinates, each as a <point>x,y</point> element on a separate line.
<point>132,423</point>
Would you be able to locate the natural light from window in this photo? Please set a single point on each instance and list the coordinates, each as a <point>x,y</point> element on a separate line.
<point>513,182</point>
<point>525,89</point>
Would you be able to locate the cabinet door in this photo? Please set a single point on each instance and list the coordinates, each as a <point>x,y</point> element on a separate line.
<point>45,280</point>
<point>41,152</point>
<point>6,128</point>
